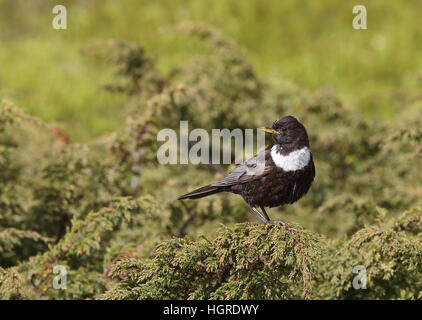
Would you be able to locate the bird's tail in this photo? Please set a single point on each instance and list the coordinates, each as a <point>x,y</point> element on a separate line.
<point>201,192</point>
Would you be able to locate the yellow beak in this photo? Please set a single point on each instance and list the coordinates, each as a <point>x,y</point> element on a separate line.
<point>269,130</point>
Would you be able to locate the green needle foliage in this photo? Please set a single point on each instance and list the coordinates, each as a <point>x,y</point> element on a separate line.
<point>243,262</point>
<point>106,209</point>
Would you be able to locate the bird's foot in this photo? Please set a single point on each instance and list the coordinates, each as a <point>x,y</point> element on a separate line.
<point>283,224</point>
<point>274,222</point>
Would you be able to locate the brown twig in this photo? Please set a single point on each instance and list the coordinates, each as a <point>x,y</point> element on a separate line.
<point>182,230</point>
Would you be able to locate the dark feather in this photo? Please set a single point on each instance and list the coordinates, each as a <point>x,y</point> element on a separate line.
<point>246,171</point>
<point>201,192</point>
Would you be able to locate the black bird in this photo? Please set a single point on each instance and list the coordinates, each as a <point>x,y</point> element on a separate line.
<point>280,174</point>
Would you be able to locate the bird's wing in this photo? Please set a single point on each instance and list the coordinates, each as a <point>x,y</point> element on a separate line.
<point>251,169</point>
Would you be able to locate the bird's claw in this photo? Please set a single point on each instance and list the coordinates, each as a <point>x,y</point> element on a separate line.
<point>274,222</point>
<point>283,224</point>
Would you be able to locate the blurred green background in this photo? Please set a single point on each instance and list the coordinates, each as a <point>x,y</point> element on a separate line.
<point>309,42</point>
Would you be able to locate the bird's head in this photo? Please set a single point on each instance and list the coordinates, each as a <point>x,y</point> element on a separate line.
<point>289,133</point>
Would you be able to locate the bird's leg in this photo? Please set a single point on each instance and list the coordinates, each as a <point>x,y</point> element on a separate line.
<point>265,213</point>
<point>264,217</point>
<point>269,221</point>
<point>266,220</point>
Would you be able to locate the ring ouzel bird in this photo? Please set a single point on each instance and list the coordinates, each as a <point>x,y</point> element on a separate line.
<point>278,175</point>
